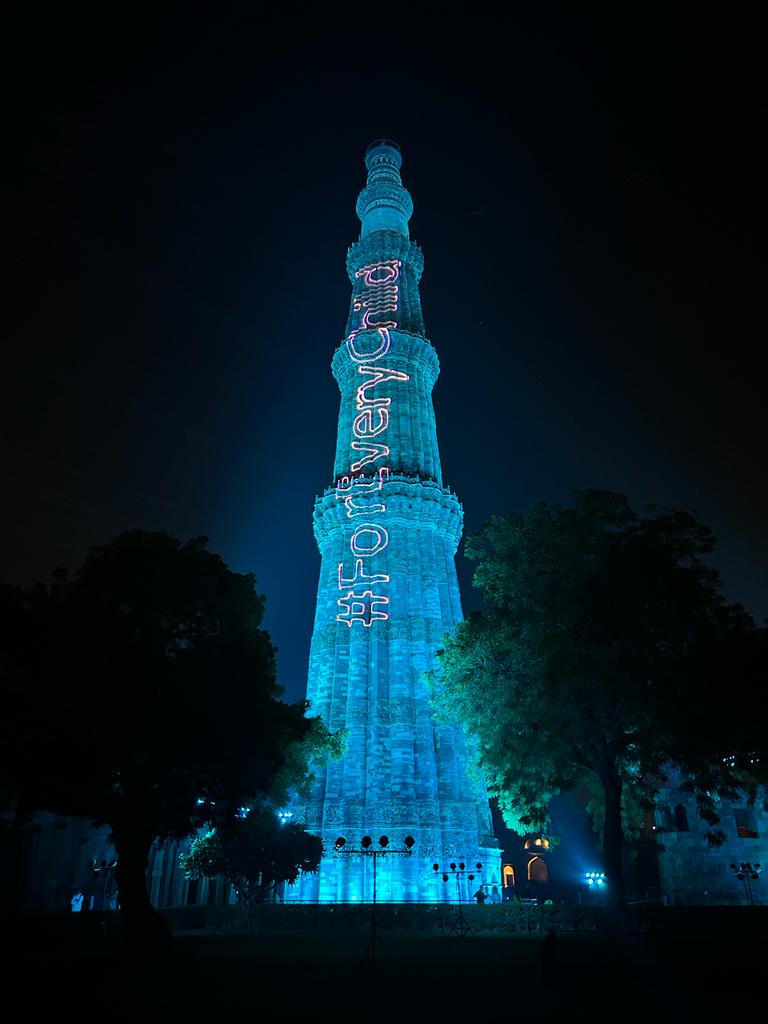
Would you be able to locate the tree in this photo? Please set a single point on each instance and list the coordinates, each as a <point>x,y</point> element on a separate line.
<point>256,853</point>
<point>142,694</point>
<point>600,657</point>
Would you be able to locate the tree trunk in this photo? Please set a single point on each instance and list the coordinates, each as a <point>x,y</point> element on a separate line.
<point>144,928</point>
<point>613,841</point>
<point>613,837</point>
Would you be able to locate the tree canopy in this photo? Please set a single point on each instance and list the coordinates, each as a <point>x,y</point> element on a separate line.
<point>142,693</point>
<point>604,655</point>
<point>255,852</point>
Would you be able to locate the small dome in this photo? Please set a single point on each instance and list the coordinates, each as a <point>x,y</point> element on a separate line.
<point>382,142</point>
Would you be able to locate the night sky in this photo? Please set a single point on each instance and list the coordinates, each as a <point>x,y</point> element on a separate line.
<point>179,195</point>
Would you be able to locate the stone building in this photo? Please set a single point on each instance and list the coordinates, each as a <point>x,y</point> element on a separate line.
<point>693,872</point>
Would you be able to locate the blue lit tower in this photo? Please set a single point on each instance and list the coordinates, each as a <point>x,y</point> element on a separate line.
<point>387,530</point>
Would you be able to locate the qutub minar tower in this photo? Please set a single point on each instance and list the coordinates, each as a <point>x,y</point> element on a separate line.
<point>388,531</point>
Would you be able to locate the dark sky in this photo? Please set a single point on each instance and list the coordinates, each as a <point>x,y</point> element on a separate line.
<point>180,192</point>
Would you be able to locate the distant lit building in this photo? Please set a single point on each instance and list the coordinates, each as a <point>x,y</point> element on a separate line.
<point>691,870</point>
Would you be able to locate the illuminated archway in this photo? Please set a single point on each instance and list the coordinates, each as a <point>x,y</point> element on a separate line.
<point>537,870</point>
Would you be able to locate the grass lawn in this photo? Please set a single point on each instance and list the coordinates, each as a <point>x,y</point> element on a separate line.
<point>207,976</point>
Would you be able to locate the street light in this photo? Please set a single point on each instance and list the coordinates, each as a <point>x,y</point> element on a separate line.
<point>747,873</point>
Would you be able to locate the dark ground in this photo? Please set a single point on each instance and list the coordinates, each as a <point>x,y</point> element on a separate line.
<point>692,973</point>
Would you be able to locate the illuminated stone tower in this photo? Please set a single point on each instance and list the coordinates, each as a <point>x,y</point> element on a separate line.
<point>387,530</point>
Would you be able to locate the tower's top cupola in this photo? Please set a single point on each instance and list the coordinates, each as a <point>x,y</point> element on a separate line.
<point>384,205</point>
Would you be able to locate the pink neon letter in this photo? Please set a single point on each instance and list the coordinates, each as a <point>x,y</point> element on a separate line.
<point>360,608</point>
<point>377,451</point>
<point>364,425</point>
<point>381,541</point>
<point>361,576</point>
<point>362,357</point>
<point>390,267</point>
<point>362,510</point>
<point>380,376</point>
<point>362,483</point>
<point>366,324</point>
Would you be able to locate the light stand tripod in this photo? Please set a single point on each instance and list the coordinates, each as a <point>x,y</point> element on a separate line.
<point>367,849</point>
<point>459,871</point>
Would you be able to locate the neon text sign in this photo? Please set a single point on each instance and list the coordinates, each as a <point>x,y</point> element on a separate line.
<point>378,298</point>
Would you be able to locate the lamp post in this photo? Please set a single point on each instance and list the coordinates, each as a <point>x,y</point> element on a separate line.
<point>459,870</point>
<point>747,873</point>
<point>367,849</point>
